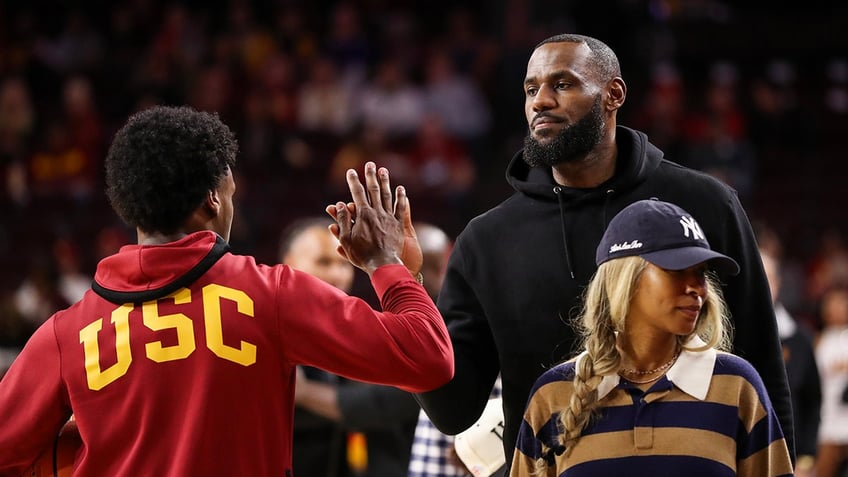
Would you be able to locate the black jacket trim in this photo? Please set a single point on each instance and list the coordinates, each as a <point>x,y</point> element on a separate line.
<point>218,250</point>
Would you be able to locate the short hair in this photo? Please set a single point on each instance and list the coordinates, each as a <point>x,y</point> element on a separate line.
<point>162,163</point>
<point>296,228</point>
<point>606,65</point>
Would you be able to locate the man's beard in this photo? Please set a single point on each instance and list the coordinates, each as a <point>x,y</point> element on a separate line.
<point>570,144</point>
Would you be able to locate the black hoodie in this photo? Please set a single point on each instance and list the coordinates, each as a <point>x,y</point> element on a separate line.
<point>516,275</point>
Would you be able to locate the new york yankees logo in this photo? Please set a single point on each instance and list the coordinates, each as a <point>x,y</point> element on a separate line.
<point>689,224</point>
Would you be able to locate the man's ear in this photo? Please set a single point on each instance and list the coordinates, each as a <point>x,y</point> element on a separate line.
<point>615,94</point>
<point>212,202</point>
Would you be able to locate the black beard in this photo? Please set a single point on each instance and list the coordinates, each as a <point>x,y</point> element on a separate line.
<point>571,144</point>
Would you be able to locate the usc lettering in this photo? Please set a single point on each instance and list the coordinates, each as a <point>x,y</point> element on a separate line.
<point>244,355</point>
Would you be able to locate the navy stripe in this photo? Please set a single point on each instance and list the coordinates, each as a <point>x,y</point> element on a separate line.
<point>764,433</point>
<point>651,466</point>
<point>530,444</point>
<point>708,416</point>
<point>560,372</point>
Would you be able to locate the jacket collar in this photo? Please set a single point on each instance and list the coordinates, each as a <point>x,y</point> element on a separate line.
<point>139,273</point>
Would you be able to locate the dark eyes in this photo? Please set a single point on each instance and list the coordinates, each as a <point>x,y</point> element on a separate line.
<point>534,90</point>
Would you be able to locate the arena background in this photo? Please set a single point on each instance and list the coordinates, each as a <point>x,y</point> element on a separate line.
<point>755,93</point>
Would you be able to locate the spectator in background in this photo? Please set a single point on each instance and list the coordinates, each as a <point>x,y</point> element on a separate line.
<point>828,267</point>
<point>435,248</point>
<point>279,85</point>
<point>366,142</point>
<point>324,103</point>
<point>391,101</point>
<point>333,414</point>
<point>14,332</point>
<point>348,44</point>
<point>294,32</point>
<point>779,126</point>
<point>318,445</point>
<point>717,135</point>
<point>83,119</point>
<point>801,370</point>
<point>832,358</point>
<point>77,48</point>
<point>455,98</point>
<point>661,114</point>
<point>60,169</point>
<point>73,282</point>
<point>17,130</point>
<point>440,168</point>
<point>38,296</point>
<point>792,284</point>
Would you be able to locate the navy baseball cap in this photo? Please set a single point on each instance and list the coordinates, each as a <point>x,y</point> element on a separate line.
<point>663,234</point>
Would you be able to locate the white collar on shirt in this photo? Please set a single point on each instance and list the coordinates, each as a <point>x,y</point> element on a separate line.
<point>692,371</point>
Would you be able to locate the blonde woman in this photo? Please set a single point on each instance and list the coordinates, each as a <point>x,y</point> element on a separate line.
<point>654,392</point>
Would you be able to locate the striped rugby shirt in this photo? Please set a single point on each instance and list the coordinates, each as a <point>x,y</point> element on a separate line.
<point>709,415</point>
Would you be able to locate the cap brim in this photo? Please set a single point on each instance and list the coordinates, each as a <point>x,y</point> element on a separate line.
<point>685,257</point>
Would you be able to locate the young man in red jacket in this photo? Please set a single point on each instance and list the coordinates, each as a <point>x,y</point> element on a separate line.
<point>181,359</point>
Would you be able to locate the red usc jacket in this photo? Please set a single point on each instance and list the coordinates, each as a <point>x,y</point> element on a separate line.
<point>180,361</point>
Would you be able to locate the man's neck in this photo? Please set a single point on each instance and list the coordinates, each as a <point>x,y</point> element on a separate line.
<point>157,238</point>
<point>591,171</point>
<point>587,173</point>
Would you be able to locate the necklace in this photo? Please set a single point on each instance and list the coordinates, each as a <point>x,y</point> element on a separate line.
<point>652,371</point>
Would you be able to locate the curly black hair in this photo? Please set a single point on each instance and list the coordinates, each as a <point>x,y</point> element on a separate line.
<point>162,163</point>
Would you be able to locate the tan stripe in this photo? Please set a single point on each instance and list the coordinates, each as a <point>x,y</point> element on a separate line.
<point>523,466</point>
<point>735,391</point>
<point>666,441</point>
<point>773,460</point>
<point>618,397</point>
<point>550,398</point>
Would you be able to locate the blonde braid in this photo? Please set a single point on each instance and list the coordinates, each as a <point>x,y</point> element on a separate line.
<point>606,303</point>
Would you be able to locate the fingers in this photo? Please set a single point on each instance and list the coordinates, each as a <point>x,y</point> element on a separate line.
<point>357,192</point>
<point>331,210</point>
<point>385,189</point>
<point>343,220</point>
<point>402,208</point>
<point>334,229</point>
<point>341,251</point>
<point>372,185</point>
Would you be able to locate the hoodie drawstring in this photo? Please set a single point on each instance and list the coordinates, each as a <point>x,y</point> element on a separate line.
<point>607,199</point>
<point>561,201</point>
<point>557,191</point>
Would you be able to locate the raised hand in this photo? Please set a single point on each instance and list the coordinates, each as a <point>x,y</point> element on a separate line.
<point>374,230</point>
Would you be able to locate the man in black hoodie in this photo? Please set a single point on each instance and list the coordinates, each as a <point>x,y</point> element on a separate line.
<point>516,273</point>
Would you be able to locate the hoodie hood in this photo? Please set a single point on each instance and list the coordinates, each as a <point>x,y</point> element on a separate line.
<point>140,273</point>
<point>636,159</point>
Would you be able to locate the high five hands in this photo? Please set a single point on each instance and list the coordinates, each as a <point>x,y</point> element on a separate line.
<point>374,229</point>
